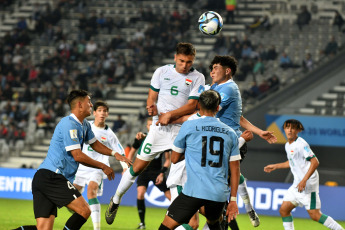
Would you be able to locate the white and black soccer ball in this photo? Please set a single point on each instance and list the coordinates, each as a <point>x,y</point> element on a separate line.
<point>210,23</point>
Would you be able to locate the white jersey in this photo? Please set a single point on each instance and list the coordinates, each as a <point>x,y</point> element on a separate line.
<point>178,173</point>
<point>175,89</point>
<point>299,155</point>
<point>107,137</point>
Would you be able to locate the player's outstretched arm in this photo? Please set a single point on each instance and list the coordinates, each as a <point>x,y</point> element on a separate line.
<point>82,158</point>
<point>151,103</point>
<point>266,135</point>
<point>102,149</point>
<point>272,167</point>
<point>189,108</point>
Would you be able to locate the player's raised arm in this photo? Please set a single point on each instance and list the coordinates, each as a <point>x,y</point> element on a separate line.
<point>266,135</point>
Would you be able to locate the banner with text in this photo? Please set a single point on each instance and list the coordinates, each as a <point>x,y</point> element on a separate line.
<point>319,131</point>
<point>266,197</point>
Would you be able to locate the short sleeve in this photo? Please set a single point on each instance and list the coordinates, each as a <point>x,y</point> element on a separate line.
<point>155,81</point>
<point>198,87</point>
<point>90,136</point>
<point>307,152</point>
<point>69,132</point>
<point>235,151</point>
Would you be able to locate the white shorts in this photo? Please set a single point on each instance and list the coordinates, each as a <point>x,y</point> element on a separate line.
<point>177,174</point>
<point>175,191</point>
<point>159,139</point>
<point>308,200</point>
<point>83,178</point>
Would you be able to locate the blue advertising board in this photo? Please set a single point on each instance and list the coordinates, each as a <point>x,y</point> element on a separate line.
<point>319,131</point>
<point>266,197</point>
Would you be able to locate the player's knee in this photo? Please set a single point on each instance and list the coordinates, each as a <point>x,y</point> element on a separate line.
<point>315,216</point>
<point>194,225</point>
<point>283,212</point>
<point>85,212</point>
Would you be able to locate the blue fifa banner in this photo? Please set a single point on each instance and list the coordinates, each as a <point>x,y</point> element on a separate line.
<point>266,197</point>
<point>319,131</point>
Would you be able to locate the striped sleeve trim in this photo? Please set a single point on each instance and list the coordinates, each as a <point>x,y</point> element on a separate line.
<point>193,97</point>
<point>177,149</point>
<point>72,147</point>
<point>93,140</point>
<point>154,89</point>
<point>309,158</point>
<point>235,158</point>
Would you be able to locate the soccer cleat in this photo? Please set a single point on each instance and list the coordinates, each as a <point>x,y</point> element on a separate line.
<point>141,226</point>
<point>254,218</point>
<point>111,211</point>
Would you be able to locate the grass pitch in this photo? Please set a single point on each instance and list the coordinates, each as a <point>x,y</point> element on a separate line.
<point>14,213</point>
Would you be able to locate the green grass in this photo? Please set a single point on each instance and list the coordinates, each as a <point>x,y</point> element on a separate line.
<point>14,213</point>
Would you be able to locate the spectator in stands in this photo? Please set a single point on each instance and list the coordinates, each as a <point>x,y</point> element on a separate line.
<point>307,63</point>
<point>3,131</point>
<point>118,124</point>
<point>22,25</point>
<point>230,6</point>
<point>260,22</point>
<point>252,92</point>
<point>272,53</point>
<point>59,108</point>
<point>285,61</point>
<point>259,67</point>
<point>19,134</point>
<point>274,82</point>
<point>331,48</point>
<point>338,20</point>
<point>264,86</point>
<point>303,18</point>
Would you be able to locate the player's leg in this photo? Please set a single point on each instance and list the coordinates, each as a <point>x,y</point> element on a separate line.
<point>285,213</point>
<point>94,204</point>
<point>141,189</point>
<point>126,182</point>
<point>213,212</point>
<point>313,207</point>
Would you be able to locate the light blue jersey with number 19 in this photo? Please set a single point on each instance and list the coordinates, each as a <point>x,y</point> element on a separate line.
<point>209,145</point>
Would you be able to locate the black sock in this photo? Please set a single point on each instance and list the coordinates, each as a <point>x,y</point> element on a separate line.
<point>215,226</point>
<point>163,227</point>
<point>75,222</point>
<point>233,225</point>
<point>141,210</point>
<point>27,227</point>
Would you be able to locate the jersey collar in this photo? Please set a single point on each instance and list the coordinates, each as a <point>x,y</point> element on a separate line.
<point>230,80</point>
<point>75,118</point>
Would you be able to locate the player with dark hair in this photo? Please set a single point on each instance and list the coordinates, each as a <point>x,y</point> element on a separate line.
<point>210,149</point>
<point>91,176</point>
<point>52,183</point>
<point>223,68</point>
<point>175,89</point>
<point>305,188</point>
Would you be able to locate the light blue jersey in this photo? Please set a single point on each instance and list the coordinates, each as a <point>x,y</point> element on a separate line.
<point>69,134</point>
<point>209,145</point>
<point>231,105</point>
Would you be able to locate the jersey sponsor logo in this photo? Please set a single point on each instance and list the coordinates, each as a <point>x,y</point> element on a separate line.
<point>202,88</point>
<point>73,134</point>
<point>224,96</point>
<point>188,82</point>
<point>155,196</point>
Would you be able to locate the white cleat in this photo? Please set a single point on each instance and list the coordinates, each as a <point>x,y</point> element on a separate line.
<point>254,218</point>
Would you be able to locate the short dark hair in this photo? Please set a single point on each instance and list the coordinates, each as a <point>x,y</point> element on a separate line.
<point>75,94</point>
<point>209,100</point>
<point>185,48</point>
<point>295,124</point>
<point>225,61</point>
<point>100,103</point>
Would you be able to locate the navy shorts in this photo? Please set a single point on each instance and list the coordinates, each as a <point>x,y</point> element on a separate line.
<point>146,176</point>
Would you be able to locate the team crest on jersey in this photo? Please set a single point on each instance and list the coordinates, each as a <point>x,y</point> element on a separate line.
<point>103,139</point>
<point>73,134</point>
<point>188,82</point>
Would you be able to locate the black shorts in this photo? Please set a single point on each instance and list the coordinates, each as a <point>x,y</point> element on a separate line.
<point>184,207</point>
<point>243,151</point>
<point>146,176</point>
<point>51,190</point>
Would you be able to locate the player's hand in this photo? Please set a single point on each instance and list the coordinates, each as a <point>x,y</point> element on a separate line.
<point>109,172</point>
<point>268,136</point>
<point>232,211</point>
<point>152,110</point>
<point>119,157</point>
<point>270,168</point>
<point>247,135</point>
<point>164,119</point>
<point>301,185</point>
<point>140,135</point>
<point>159,178</point>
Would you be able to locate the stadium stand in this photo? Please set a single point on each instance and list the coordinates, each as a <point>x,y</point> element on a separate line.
<point>132,37</point>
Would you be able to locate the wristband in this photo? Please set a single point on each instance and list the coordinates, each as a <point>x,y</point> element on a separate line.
<point>233,198</point>
<point>113,153</point>
<point>164,169</point>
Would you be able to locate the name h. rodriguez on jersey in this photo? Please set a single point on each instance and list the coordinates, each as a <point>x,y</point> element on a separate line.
<point>212,129</point>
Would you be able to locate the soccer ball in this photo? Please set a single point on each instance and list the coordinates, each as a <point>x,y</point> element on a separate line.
<point>210,23</point>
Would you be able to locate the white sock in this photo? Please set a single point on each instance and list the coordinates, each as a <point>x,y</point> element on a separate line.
<point>288,223</point>
<point>330,223</point>
<point>126,182</point>
<point>242,190</point>
<point>180,228</point>
<point>96,215</point>
<point>206,227</point>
